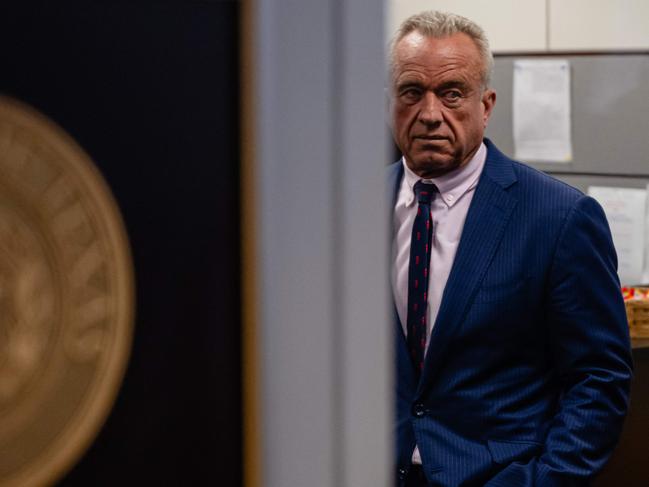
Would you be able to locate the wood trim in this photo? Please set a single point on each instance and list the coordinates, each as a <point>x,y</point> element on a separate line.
<point>249,313</point>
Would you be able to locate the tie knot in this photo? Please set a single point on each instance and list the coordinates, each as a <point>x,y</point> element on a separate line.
<point>425,192</point>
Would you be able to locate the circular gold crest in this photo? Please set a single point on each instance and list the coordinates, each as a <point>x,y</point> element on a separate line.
<point>66,299</point>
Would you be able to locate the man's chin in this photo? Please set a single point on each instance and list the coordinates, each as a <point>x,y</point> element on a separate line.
<point>430,167</point>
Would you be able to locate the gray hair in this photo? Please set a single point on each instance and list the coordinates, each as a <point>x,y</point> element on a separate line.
<point>432,23</point>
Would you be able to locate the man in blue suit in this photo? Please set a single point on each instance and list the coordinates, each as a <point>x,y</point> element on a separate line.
<point>512,343</point>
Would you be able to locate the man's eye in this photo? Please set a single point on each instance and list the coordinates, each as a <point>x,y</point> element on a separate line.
<point>411,94</point>
<point>452,95</point>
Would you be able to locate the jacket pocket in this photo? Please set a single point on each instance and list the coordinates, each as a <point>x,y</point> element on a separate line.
<point>504,452</point>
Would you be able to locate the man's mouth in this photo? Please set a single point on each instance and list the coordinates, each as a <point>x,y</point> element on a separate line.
<point>431,137</point>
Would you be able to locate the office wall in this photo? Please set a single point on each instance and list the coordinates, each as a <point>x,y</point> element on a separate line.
<point>512,25</point>
<point>544,25</point>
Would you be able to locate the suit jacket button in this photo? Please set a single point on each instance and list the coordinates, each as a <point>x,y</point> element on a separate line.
<point>402,473</point>
<point>418,410</point>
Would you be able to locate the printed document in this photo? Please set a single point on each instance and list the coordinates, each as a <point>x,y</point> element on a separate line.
<point>541,111</point>
<point>625,210</point>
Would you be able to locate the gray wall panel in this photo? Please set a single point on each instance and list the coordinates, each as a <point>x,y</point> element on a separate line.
<point>322,251</point>
<point>610,108</point>
<point>582,182</point>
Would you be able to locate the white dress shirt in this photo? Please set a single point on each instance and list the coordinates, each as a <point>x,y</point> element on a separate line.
<point>448,211</point>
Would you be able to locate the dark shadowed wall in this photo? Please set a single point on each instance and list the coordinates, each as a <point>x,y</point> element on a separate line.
<point>150,90</point>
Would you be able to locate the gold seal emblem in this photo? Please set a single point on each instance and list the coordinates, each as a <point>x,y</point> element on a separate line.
<point>66,299</point>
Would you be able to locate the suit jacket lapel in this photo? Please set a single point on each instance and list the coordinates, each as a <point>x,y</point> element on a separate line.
<point>484,226</point>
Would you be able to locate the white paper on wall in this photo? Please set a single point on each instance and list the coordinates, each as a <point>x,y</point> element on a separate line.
<point>625,210</point>
<point>541,110</point>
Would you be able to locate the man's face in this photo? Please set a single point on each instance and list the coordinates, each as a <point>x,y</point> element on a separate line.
<point>438,106</point>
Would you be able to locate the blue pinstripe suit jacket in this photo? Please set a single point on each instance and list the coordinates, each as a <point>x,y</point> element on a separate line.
<point>527,375</point>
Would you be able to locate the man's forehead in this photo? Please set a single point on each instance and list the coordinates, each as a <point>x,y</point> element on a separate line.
<point>456,55</point>
<point>415,44</point>
<point>413,39</point>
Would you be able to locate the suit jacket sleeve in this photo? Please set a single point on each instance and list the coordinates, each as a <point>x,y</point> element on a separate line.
<point>589,339</point>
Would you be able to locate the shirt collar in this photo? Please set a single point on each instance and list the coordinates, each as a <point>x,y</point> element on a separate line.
<point>453,185</point>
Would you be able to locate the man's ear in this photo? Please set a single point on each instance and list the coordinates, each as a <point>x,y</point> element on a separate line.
<point>488,103</point>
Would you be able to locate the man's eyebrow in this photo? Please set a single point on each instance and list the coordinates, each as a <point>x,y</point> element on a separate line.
<point>413,83</point>
<point>409,83</point>
<point>451,84</point>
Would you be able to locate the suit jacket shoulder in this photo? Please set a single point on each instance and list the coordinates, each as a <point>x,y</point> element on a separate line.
<point>526,181</point>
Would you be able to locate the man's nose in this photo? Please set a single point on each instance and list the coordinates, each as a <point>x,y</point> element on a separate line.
<point>431,110</point>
